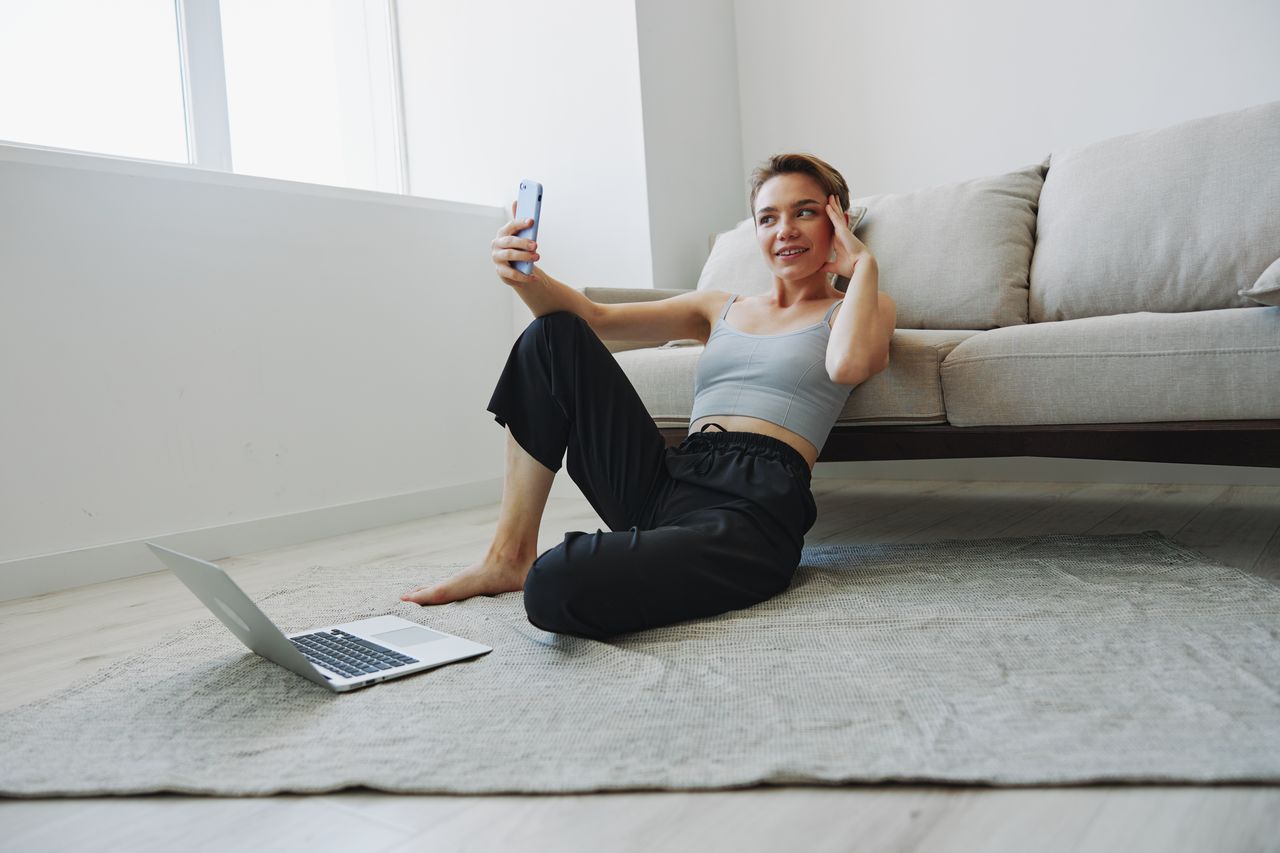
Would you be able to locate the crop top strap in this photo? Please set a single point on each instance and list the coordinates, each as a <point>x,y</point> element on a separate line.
<point>727,306</point>
<point>832,310</point>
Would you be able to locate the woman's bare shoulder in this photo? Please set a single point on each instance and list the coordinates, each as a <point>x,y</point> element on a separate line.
<point>714,301</point>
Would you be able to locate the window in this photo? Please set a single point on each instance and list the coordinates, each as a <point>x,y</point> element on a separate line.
<point>93,76</point>
<point>309,91</point>
<point>304,90</point>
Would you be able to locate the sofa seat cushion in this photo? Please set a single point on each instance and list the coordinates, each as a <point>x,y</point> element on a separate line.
<point>909,391</point>
<point>1127,368</point>
<point>1183,218</point>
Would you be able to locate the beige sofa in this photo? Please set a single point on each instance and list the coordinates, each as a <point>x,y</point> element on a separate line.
<point>1118,300</point>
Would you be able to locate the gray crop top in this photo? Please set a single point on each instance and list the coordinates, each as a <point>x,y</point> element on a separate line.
<point>778,378</point>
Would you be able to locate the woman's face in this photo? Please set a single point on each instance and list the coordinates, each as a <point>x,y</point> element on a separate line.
<point>792,225</point>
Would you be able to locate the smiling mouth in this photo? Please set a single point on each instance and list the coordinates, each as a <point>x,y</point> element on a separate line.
<point>791,253</point>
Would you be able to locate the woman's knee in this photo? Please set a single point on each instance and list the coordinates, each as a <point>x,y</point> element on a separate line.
<point>557,597</point>
<point>542,331</point>
<point>555,320</point>
<point>539,597</point>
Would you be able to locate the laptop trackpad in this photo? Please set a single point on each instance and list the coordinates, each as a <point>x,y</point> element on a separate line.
<point>405,637</point>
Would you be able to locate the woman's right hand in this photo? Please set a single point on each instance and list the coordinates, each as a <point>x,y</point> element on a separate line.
<point>508,247</point>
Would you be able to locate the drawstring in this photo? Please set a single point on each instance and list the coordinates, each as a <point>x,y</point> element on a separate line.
<point>697,443</point>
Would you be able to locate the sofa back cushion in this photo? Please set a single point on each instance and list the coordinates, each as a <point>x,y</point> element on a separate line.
<point>955,256</point>
<point>1177,219</point>
<point>1266,290</point>
<point>735,264</point>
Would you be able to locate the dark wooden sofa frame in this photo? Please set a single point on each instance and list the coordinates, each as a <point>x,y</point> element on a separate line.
<point>1254,443</point>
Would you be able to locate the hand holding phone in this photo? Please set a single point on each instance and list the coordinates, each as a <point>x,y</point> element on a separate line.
<point>528,206</point>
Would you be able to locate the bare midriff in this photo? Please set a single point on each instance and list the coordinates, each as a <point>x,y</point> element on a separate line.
<point>742,423</point>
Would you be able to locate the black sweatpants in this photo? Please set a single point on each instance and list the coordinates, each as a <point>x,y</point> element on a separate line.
<point>713,525</point>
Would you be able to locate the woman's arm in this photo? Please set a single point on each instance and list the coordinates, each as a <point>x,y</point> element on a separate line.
<point>542,293</point>
<point>545,295</point>
<point>859,343</point>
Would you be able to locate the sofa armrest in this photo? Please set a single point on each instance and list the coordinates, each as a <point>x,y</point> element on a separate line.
<point>608,295</point>
<point>611,295</point>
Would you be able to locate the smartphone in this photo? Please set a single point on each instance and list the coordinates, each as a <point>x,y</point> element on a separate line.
<point>528,206</point>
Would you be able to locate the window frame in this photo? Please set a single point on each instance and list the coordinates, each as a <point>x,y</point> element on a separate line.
<point>206,114</point>
<point>204,83</point>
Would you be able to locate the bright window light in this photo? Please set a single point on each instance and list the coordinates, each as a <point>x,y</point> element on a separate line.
<point>92,76</point>
<point>310,93</point>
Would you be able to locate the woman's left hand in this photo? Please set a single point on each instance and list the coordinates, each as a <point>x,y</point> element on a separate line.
<point>848,248</point>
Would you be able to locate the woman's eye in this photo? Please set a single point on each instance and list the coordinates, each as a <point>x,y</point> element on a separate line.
<point>807,210</point>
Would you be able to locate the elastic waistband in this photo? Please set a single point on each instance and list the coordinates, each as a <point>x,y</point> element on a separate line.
<point>772,447</point>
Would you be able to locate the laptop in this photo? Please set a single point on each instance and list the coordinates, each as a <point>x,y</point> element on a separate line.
<point>341,657</point>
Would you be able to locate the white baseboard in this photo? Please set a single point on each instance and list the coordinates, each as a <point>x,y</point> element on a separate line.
<point>55,572</point>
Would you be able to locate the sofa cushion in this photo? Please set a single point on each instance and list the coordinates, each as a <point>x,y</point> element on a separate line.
<point>1266,289</point>
<point>957,256</point>
<point>1178,219</point>
<point>1127,368</point>
<point>907,392</point>
<point>952,257</point>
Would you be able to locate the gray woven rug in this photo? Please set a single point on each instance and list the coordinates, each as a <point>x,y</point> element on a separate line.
<point>1043,660</point>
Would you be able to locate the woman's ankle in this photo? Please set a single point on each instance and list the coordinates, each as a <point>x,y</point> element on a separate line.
<point>513,553</point>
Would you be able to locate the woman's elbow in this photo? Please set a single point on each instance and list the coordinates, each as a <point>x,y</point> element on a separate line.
<point>852,374</point>
<point>875,367</point>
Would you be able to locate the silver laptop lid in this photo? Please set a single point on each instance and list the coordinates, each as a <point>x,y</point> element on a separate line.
<point>237,611</point>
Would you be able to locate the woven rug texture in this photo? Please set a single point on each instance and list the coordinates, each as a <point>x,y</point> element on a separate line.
<point>1045,660</point>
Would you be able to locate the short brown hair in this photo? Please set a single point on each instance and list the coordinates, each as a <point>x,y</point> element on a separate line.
<point>831,181</point>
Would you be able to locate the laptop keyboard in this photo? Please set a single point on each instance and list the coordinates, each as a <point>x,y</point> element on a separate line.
<point>348,655</point>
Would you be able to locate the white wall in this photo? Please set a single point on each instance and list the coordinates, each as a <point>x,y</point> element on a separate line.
<point>900,96</point>
<point>503,90</point>
<point>692,132</point>
<point>240,361</point>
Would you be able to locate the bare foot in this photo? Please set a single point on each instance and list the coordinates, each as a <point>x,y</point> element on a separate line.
<point>491,576</point>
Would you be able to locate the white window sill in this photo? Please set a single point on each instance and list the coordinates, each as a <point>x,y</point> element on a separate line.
<point>15,152</point>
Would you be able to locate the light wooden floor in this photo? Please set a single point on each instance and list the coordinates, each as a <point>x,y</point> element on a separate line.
<point>1237,525</point>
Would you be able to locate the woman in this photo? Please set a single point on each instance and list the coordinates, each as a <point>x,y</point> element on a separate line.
<point>717,523</point>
